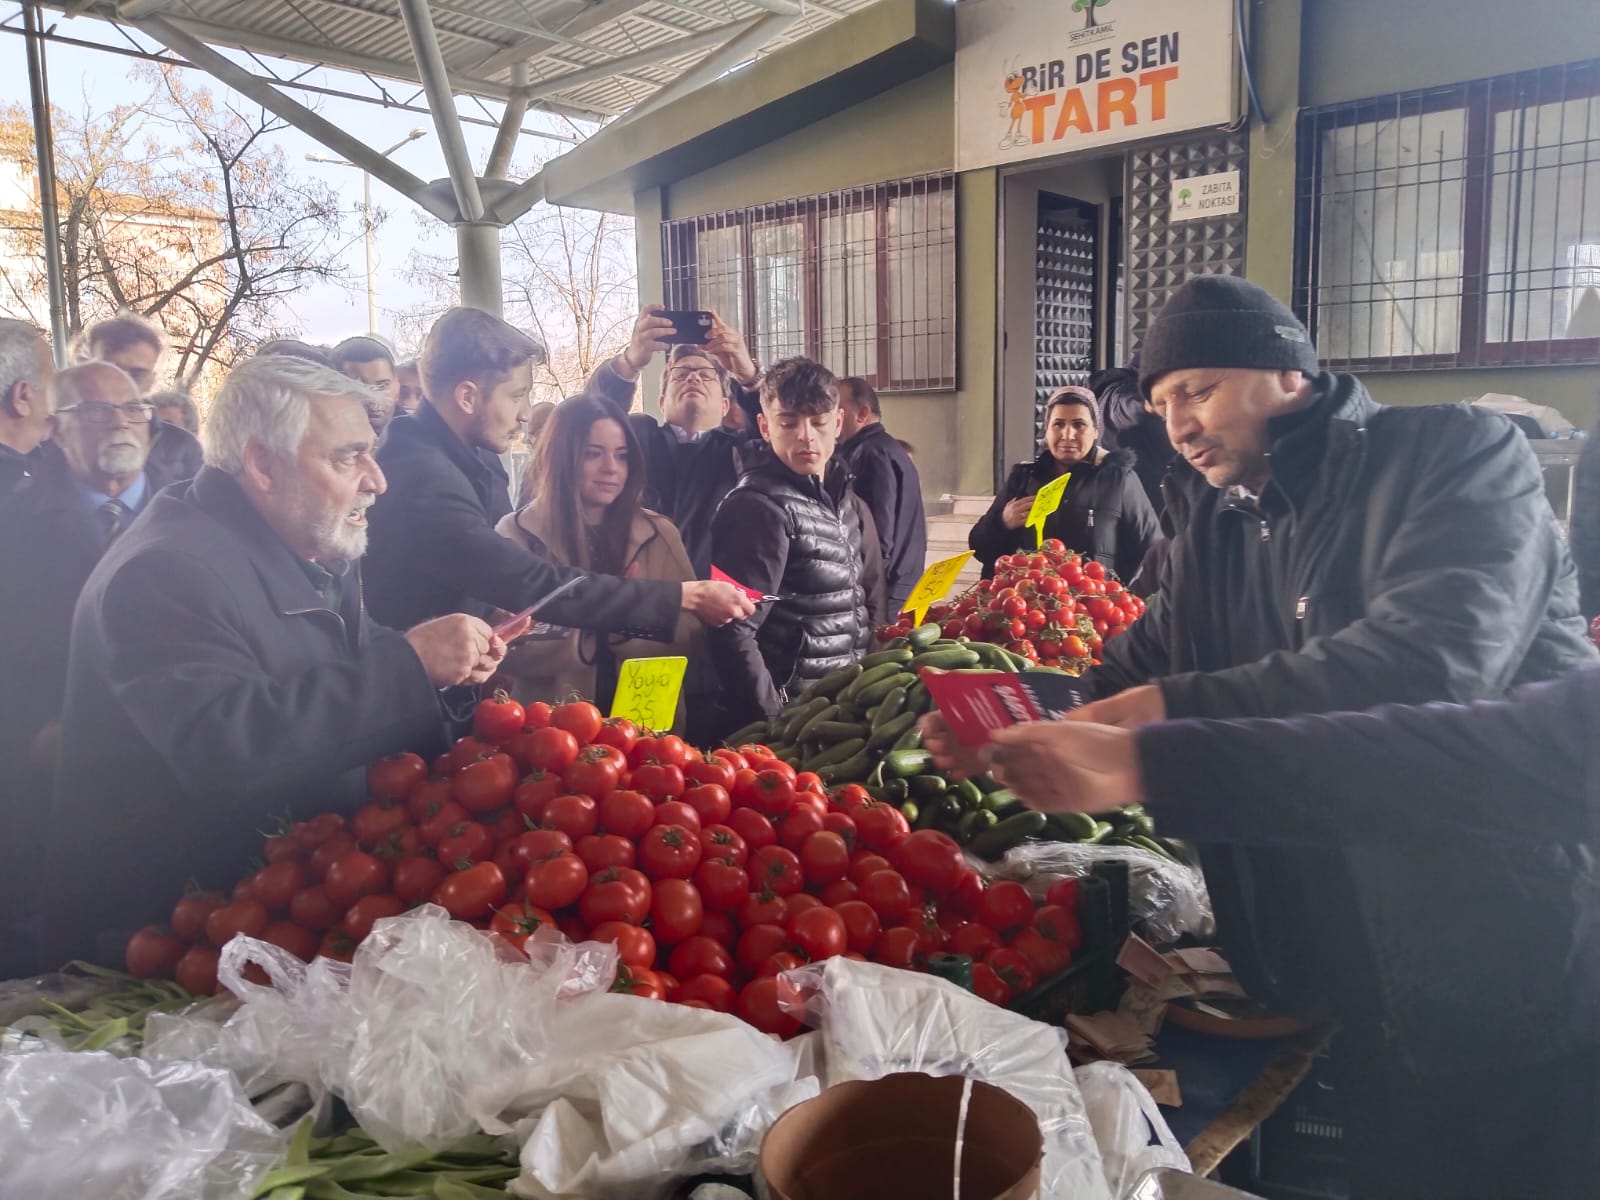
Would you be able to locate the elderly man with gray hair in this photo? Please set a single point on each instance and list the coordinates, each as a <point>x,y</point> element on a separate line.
<point>224,672</point>
<point>26,368</point>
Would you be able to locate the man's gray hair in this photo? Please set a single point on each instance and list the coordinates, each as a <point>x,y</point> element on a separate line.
<point>75,384</point>
<point>267,399</point>
<point>19,354</point>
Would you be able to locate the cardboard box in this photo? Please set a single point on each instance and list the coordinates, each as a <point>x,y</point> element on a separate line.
<point>895,1136</point>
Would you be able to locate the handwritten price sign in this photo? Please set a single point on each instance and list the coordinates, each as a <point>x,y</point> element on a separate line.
<point>1046,502</point>
<point>647,691</point>
<point>935,584</point>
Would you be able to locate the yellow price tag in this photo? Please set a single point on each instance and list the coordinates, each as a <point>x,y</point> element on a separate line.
<point>1046,502</point>
<point>647,691</point>
<point>935,584</point>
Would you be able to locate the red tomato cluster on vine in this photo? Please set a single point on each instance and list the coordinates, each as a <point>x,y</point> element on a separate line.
<point>711,873</point>
<point>1051,606</point>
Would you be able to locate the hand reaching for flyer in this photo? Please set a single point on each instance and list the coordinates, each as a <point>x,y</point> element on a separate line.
<point>1067,766</point>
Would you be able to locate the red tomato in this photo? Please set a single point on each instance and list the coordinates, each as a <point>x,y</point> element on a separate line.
<point>796,825</point>
<point>718,771</point>
<point>819,933</point>
<point>485,784</point>
<point>837,892</point>
<point>880,827</point>
<point>759,943</point>
<point>548,749</point>
<point>283,848</point>
<point>335,846</point>
<point>556,882</point>
<point>635,946</point>
<point>732,757</point>
<point>986,983</point>
<point>776,869</point>
<point>465,750</point>
<point>639,981</point>
<point>976,941</point>
<point>762,908</point>
<point>626,813</point>
<point>864,863</point>
<point>618,732</point>
<point>723,884</point>
<point>518,922</point>
<point>393,778</point>
<point>713,991</point>
<point>357,923</point>
<point>758,1005</point>
<point>848,797</point>
<point>538,788</point>
<point>596,771</point>
<point>538,844</point>
<point>196,971</point>
<point>1048,957</point>
<point>467,842</point>
<point>659,781</point>
<point>777,964</point>
<point>897,947</point>
<point>1063,893</point>
<point>887,893</point>
<point>1005,905</point>
<point>842,824</point>
<point>930,935</point>
<point>1015,971</point>
<point>354,875</point>
<point>248,917</point>
<point>472,893</point>
<point>400,844</point>
<point>963,897</point>
<point>153,953</point>
<point>722,841</point>
<point>798,903</point>
<point>824,858</point>
<point>579,718</point>
<point>296,939</point>
<point>754,828</point>
<point>616,894</point>
<point>676,911</point>
<point>1060,925</point>
<point>276,885</point>
<point>700,955</point>
<point>437,827</point>
<point>536,715</point>
<point>772,792</point>
<point>930,859</point>
<point>574,814</point>
<point>676,812</point>
<point>600,851</point>
<point>861,925</point>
<point>711,801</point>
<point>497,719</point>
<point>336,945</point>
<point>314,909</point>
<point>669,852</point>
<point>416,877</point>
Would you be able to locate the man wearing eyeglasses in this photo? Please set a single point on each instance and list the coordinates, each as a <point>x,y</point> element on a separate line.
<point>83,494</point>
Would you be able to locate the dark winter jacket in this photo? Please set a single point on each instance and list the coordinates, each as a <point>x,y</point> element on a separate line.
<point>883,475</point>
<point>433,549</point>
<point>684,481</point>
<point>211,693</point>
<point>1584,537</point>
<point>1400,555</point>
<point>1126,424</point>
<point>1104,512</point>
<point>175,452</point>
<point>810,542</point>
<point>15,469</point>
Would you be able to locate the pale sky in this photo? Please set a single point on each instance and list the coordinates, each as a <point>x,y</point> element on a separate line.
<point>87,80</point>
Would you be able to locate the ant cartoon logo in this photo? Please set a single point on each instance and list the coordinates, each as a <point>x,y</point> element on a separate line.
<point>1018,88</point>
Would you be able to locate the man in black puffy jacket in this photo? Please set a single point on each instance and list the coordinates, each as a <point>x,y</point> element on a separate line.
<point>792,529</point>
<point>1333,554</point>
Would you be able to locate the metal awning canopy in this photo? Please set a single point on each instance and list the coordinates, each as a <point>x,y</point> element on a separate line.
<point>590,61</point>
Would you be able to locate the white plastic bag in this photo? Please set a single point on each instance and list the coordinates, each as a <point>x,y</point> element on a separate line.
<point>877,1020</point>
<point>1132,1134</point>
<point>1167,899</point>
<point>90,1124</point>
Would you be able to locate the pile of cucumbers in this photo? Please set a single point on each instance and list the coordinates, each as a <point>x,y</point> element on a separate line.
<point>859,725</point>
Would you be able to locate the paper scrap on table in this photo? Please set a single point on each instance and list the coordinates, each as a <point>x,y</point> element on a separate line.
<point>1113,1035</point>
<point>647,691</point>
<point>1162,1084</point>
<point>1200,960</point>
<point>1143,961</point>
<point>935,585</point>
<point>1045,502</point>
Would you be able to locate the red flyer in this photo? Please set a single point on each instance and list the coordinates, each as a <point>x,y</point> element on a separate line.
<point>976,703</point>
<point>718,575</point>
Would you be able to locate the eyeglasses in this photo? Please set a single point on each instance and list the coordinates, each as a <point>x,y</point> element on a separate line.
<point>684,374</point>
<point>98,412</point>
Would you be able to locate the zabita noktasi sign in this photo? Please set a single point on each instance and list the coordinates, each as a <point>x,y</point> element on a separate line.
<point>1036,78</point>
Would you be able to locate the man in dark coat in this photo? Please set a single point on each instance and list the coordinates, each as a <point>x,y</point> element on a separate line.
<point>793,530</point>
<point>434,548</point>
<point>26,368</point>
<point>224,672</point>
<point>1128,423</point>
<point>883,475</point>
<point>1333,554</point>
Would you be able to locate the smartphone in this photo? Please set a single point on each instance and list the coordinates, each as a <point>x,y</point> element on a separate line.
<point>690,326</point>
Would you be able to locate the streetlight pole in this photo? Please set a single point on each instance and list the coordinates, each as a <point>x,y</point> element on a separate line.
<point>366,218</point>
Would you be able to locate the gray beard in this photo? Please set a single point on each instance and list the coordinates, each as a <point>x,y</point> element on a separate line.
<point>120,459</point>
<point>333,539</point>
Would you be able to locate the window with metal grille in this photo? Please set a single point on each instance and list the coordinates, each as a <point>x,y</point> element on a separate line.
<point>862,280</point>
<point>1455,226</point>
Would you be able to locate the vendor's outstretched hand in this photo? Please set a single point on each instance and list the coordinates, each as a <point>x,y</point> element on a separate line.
<point>1067,766</point>
<point>949,755</point>
<point>1143,705</point>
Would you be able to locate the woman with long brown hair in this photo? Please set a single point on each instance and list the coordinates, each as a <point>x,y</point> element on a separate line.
<point>587,513</point>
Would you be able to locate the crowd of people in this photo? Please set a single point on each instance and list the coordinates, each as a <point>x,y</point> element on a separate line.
<point>200,636</point>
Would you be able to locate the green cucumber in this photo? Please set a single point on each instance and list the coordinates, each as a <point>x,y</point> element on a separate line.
<point>911,811</point>
<point>897,790</point>
<point>893,705</point>
<point>1013,831</point>
<point>1074,827</point>
<point>1149,843</point>
<point>832,682</point>
<point>994,657</point>
<point>838,754</point>
<point>1102,830</point>
<point>839,731</point>
<point>928,787</point>
<point>887,656</point>
<point>947,814</point>
<point>922,636</point>
<point>793,718</point>
<point>918,699</point>
<point>975,823</point>
<point>902,764</point>
<point>850,769</point>
<point>874,693</point>
<point>866,679</point>
<point>927,811</point>
<point>886,735</point>
<point>745,734</point>
<point>971,797</point>
<point>807,731</point>
<point>911,739</point>
<point>945,660</point>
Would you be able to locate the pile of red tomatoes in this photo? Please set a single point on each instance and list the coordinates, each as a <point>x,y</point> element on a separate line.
<point>712,873</point>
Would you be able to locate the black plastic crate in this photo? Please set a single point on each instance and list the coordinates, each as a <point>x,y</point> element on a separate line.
<point>1093,983</point>
<point>1298,1152</point>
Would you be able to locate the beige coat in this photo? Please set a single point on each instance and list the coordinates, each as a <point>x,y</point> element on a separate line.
<point>557,662</point>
